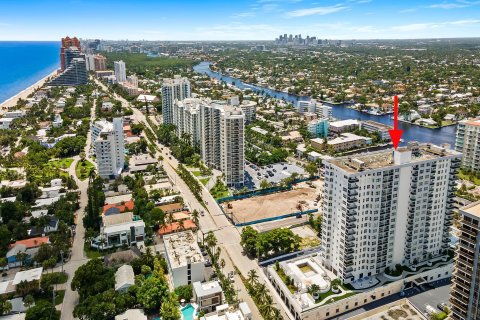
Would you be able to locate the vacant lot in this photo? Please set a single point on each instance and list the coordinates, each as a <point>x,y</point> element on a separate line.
<point>272,205</point>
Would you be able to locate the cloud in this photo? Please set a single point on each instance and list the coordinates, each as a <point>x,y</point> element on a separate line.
<point>448,5</point>
<point>433,25</point>
<point>244,15</point>
<point>321,11</point>
<point>408,10</point>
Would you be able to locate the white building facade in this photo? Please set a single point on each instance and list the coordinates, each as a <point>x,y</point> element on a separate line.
<point>120,71</point>
<point>177,88</point>
<point>468,142</point>
<point>219,131</point>
<point>382,209</point>
<point>108,145</point>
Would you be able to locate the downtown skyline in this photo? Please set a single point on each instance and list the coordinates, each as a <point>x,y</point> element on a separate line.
<point>246,20</point>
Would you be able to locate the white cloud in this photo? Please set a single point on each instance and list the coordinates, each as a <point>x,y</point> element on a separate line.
<point>433,25</point>
<point>321,11</point>
<point>244,15</point>
<point>448,5</point>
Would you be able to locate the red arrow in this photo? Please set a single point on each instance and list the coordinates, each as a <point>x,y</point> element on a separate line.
<point>395,134</point>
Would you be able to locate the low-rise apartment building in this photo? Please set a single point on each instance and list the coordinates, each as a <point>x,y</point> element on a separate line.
<point>207,295</point>
<point>184,258</point>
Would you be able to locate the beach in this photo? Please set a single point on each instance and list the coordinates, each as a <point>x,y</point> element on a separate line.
<point>11,102</point>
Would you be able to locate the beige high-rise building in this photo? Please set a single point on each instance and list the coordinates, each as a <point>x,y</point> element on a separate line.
<point>465,293</point>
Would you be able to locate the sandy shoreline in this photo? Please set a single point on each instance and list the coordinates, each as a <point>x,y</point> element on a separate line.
<point>11,102</point>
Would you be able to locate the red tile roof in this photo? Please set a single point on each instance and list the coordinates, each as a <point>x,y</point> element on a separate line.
<point>173,227</point>
<point>127,206</point>
<point>32,242</point>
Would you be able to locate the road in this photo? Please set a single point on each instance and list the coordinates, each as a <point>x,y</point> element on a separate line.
<point>77,258</point>
<point>228,236</point>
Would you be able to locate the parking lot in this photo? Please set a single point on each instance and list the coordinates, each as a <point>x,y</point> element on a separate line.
<point>432,297</point>
<point>273,173</point>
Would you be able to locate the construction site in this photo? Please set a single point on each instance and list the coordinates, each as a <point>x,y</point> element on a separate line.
<point>302,197</point>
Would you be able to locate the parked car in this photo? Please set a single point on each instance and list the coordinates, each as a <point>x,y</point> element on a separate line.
<point>442,306</point>
<point>208,263</point>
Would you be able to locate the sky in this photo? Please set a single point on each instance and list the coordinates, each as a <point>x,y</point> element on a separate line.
<point>237,20</point>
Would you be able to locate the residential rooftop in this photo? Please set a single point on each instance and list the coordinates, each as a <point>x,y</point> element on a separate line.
<point>181,248</point>
<point>414,152</point>
<point>377,125</point>
<point>473,209</point>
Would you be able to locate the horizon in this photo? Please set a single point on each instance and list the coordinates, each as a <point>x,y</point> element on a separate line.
<point>252,20</point>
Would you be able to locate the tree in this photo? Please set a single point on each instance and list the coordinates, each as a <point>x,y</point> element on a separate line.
<point>222,264</point>
<point>28,301</point>
<point>252,277</point>
<point>184,292</point>
<point>152,292</point>
<point>311,169</point>
<point>264,184</point>
<point>170,309</point>
<point>43,310</point>
<point>92,278</point>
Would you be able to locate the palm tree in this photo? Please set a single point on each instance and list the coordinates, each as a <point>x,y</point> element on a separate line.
<point>222,264</point>
<point>91,175</point>
<point>266,307</point>
<point>252,277</point>
<point>211,241</point>
<point>261,292</point>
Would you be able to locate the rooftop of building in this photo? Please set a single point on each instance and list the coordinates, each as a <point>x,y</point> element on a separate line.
<point>385,158</point>
<point>378,125</point>
<point>473,209</point>
<point>182,248</point>
<point>473,122</point>
<point>346,137</point>
<point>207,288</point>
<point>28,275</point>
<point>342,123</point>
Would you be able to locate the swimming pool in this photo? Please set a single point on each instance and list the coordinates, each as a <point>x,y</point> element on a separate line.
<point>188,312</point>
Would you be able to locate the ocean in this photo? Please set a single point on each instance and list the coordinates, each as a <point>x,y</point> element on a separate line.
<point>23,63</point>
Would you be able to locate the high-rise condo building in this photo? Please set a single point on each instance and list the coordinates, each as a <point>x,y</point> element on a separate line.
<point>323,111</point>
<point>120,71</point>
<point>218,129</point>
<point>465,293</point>
<point>177,88</point>
<point>386,208</point>
<point>109,147</point>
<point>468,142</point>
<point>90,62</point>
<point>100,62</point>
<point>74,74</point>
<point>67,42</point>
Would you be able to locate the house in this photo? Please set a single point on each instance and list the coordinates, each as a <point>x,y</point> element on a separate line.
<point>107,106</point>
<point>28,276</point>
<point>177,226</point>
<point>57,121</point>
<point>171,208</point>
<point>50,192</point>
<point>5,123</point>
<point>225,312</point>
<point>118,230</point>
<point>207,295</point>
<point>27,246</point>
<point>52,226</point>
<point>132,314</point>
<point>44,202</point>
<point>118,208</point>
<point>124,278</point>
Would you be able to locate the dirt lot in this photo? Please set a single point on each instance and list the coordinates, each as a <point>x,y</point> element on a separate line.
<point>273,205</point>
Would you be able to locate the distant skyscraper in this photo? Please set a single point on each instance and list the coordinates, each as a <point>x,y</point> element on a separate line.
<point>90,62</point>
<point>386,208</point>
<point>67,42</point>
<point>100,62</point>
<point>465,293</point>
<point>120,72</point>
<point>109,147</point>
<point>468,142</point>
<point>177,88</point>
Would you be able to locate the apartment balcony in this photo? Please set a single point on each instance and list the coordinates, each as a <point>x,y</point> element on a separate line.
<point>349,237</point>
<point>446,240</point>
<point>353,179</point>
<point>410,228</point>
<point>351,206</point>
<point>349,244</point>
<point>448,223</point>
<point>351,212</point>
<point>350,232</point>
<point>349,251</point>
<point>352,199</point>
<point>352,186</point>
<point>352,193</point>
<point>415,173</point>
<point>456,302</point>
<point>427,224</point>
<point>348,263</point>
<point>351,218</point>
<point>351,226</point>
<point>348,270</point>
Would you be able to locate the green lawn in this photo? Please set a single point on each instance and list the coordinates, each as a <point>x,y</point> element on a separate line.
<point>197,173</point>
<point>469,177</point>
<point>219,190</point>
<point>204,181</point>
<point>90,252</point>
<point>82,169</point>
<point>64,163</point>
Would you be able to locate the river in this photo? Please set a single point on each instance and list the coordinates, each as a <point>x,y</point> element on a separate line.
<point>341,111</point>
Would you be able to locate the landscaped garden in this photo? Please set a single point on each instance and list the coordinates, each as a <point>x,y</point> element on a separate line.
<point>83,169</point>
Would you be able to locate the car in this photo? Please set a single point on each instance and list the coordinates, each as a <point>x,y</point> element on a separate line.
<point>202,213</point>
<point>274,170</point>
<point>170,158</point>
<point>204,253</point>
<point>442,306</point>
<point>208,263</point>
<point>284,168</point>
